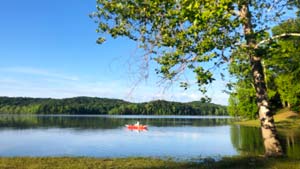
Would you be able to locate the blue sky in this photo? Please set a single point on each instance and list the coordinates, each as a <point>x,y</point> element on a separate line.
<point>48,49</point>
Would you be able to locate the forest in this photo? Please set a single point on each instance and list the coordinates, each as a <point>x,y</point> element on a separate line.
<point>282,71</point>
<point>94,105</point>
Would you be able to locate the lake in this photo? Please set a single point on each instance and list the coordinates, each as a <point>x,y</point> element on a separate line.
<point>179,137</point>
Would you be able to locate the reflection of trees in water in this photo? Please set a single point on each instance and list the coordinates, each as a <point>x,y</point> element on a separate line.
<point>58,122</point>
<point>96,122</point>
<point>291,140</point>
<point>247,140</point>
<point>184,122</point>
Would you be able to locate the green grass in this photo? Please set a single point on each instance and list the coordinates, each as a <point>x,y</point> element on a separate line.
<point>237,162</point>
<point>253,123</point>
<point>284,119</point>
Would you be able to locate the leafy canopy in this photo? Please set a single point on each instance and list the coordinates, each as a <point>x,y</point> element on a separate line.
<point>184,34</point>
<point>177,34</point>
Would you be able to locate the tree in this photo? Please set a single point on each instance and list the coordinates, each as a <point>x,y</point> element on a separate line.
<point>190,34</point>
<point>284,63</point>
<point>282,69</point>
<point>242,100</point>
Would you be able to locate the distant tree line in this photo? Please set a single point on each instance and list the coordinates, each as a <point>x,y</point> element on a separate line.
<point>162,107</point>
<point>93,105</point>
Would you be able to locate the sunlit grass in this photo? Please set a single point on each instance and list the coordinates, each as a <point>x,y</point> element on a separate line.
<point>254,123</point>
<point>284,119</point>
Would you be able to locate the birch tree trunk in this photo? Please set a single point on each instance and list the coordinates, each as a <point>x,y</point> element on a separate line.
<point>269,133</point>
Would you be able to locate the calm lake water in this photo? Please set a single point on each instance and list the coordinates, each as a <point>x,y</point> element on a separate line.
<point>180,137</point>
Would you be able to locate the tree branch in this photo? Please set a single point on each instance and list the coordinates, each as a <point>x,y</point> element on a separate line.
<point>276,37</point>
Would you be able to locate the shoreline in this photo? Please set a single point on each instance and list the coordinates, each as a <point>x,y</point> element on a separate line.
<point>234,162</point>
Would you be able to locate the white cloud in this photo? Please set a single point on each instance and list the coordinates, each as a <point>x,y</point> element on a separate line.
<point>44,83</point>
<point>39,72</point>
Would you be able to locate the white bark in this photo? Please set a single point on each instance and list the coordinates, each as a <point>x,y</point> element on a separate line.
<point>276,37</point>
<point>271,143</point>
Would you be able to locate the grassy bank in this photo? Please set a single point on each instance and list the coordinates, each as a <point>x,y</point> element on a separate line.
<point>284,119</point>
<point>145,163</point>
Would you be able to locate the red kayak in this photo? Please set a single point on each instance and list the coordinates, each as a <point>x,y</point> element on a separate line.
<point>137,127</point>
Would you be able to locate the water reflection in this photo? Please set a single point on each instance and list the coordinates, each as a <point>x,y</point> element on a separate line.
<point>291,142</point>
<point>104,122</point>
<point>248,140</point>
<point>106,136</point>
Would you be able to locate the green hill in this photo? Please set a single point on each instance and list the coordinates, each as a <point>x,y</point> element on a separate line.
<point>94,105</point>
